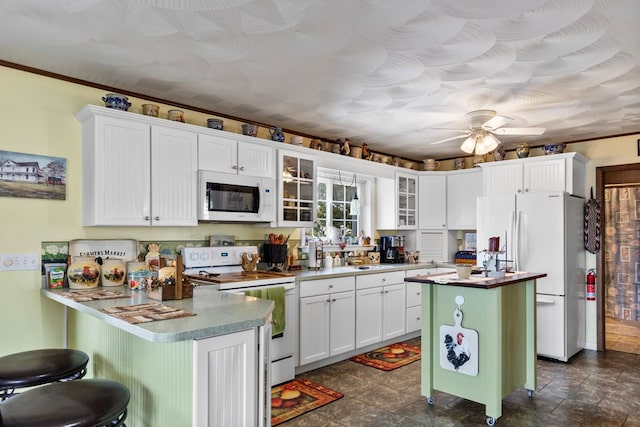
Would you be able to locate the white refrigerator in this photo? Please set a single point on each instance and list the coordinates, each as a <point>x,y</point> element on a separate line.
<point>543,233</point>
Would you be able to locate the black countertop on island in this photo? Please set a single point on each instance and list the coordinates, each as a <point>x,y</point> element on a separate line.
<point>476,280</point>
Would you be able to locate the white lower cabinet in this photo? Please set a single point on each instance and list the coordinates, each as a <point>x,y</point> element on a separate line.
<point>229,377</point>
<point>380,304</point>
<point>414,306</point>
<point>327,320</point>
<point>414,298</point>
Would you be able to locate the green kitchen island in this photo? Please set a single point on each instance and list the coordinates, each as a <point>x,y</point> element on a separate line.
<point>210,369</point>
<point>478,337</point>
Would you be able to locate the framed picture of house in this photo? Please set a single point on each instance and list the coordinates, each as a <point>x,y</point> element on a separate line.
<point>32,176</point>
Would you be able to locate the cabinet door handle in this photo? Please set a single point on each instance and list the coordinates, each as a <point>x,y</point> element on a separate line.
<point>241,168</point>
<point>519,191</point>
<point>146,218</point>
<point>330,286</point>
<point>329,301</point>
<point>157,218</point>
<point>333,300</point>
<point>526,190</point>
<point>234,167</point>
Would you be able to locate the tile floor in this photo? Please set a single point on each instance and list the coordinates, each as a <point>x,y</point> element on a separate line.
<point>593,389</point>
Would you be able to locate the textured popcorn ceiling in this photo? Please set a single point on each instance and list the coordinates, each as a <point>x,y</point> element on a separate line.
<point>392,73</point>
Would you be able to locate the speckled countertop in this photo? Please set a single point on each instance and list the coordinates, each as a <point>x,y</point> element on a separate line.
<point>324,273</point>
<point>217,313</point>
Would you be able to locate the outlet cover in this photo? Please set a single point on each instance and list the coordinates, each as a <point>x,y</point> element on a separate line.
<point>15,262</point>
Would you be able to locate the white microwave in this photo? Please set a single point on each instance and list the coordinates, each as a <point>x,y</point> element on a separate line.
<point>224,197</point>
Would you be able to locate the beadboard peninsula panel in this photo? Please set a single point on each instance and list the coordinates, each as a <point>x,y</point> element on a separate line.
<point>158,375</point>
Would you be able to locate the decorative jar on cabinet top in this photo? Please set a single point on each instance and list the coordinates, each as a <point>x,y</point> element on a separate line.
<point>554,148</point>
<point>83,273</point>
<point>116,101</point>
<point>114,272</point>
<point>276,134</point>
<point>522,150</point>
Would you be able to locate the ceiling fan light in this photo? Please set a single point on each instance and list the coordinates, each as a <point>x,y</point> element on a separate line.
<point>469,144</point>
<point>490,142</point>
<point>481,147</point>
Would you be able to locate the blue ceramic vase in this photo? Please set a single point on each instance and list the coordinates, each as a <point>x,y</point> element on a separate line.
<point>276,134</point>
<point>115,101</point>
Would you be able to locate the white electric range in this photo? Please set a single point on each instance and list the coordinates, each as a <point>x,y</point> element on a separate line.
<point>220,266</point>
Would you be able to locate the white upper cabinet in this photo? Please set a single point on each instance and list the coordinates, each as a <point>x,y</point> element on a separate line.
<point>227,155</point>
<point>407,197</point>
<point>463,188</point>
<point>432,210</point>
<point>174,159</point>
<point>557,172</point>
<point>296,189</point>
<point>136,173</point>
<point>397,202</point>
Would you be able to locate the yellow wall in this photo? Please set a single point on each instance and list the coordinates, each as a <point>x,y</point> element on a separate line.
<point>38,117</point>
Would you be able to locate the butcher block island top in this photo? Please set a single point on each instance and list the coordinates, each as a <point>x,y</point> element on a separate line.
<point>477,280</point>
<point>478,337</point>
<point>215,313</point>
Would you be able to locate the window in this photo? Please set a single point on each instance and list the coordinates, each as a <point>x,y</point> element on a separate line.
<point>334,219</point>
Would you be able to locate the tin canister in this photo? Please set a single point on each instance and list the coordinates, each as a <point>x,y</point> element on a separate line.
<point>137,274</point>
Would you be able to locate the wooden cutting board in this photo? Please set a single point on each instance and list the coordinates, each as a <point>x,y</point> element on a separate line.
<point>244,276</point>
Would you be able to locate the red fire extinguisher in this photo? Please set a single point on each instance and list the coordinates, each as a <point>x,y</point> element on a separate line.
<point>591,285</point>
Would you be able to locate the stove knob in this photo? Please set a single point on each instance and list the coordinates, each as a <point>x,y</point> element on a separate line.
<point>204,256</point>
<point>193,256</point>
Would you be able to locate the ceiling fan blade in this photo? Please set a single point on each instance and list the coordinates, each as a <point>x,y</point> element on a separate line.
<point>519,131</point>
<point>450,139</point>
<point>496,121</point>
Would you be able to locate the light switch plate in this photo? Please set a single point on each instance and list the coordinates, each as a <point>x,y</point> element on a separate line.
<point>15,262</point>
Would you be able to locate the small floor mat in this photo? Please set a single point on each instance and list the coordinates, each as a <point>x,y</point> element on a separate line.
<point>390,357</point>
<point>298,397</point>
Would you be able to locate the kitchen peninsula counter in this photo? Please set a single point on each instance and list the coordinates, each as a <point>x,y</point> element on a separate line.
<point>184,371</point>
<point>478,337</point>
<point>216,313</point>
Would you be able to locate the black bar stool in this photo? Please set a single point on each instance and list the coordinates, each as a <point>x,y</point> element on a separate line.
<point>83,403</point>
<point>37,367</point>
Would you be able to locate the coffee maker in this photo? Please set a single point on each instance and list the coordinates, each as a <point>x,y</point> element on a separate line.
<point>392,249</point>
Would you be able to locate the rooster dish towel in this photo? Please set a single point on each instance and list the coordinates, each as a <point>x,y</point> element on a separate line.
<point>459,347</point>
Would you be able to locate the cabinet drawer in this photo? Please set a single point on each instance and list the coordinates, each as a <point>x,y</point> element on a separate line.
<point>310,288</point>
<point>414,294</point>
<point>413,319</point>
<point>365,281</point>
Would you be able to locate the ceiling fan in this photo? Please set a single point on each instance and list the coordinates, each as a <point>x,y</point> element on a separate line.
<point>483,126</point>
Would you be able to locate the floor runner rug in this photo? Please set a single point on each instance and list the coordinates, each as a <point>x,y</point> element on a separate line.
<point>390,357</point>
<point>297,397</point>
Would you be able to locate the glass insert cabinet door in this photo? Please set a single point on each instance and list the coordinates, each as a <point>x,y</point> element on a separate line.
<point>407,190</point>
<point>298,190</point>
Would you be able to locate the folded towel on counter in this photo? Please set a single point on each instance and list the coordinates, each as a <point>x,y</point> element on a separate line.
<point>277,296</point>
